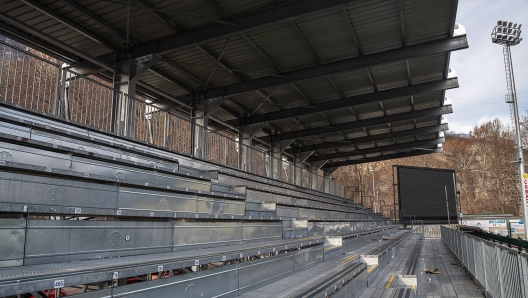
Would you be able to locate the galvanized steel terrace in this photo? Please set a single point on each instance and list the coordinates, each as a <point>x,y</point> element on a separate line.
<point>157,147</point>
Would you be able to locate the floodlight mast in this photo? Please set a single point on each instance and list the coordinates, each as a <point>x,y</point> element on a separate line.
<point>507,35</point>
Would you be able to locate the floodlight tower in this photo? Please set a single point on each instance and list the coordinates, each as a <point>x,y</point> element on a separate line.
<point>508,34</point>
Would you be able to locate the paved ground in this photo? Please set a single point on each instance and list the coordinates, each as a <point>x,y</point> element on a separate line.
<point>451,283</point>
<point>415,255</point>
<point>306,278</point>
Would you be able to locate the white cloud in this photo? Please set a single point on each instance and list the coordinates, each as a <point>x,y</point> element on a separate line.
<point>480,68</point>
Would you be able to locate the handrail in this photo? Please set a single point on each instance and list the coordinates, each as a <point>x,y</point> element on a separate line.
<point>37,83</point>
<point>519,243</point>
<point>499,271</point>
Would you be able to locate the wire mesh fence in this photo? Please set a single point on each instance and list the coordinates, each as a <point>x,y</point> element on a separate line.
<point>84,100</point>
<point>38,82</point>
<point>27,79</point>
<point>500,271</point>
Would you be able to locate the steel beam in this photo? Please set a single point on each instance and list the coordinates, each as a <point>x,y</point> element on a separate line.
<point>417,152</point>
<point>352,31</point>
<point>450,33</point>
<point>258,20</point>
<point>363,62</point>
<point>58,17</point>
<point>307,45</point>
<point>170,78</point>
<point>219,8</point>
<point>53,41</point>
<point>94,17</point>
<point>359,124</point>
<point>262,53</point>
<point>163,18</point>
<point>371,138</point>
<point>220,63</point>
<point>185,72</point>
<point>361,152</point>
<point>316,165</point>
<point>347,102</point>
<point>402,24</point>
<point>37,44</point>
<point>328,173</point>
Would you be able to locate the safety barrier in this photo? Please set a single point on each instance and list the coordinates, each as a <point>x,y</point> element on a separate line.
<point>498,270</point>
<point>35,81</point>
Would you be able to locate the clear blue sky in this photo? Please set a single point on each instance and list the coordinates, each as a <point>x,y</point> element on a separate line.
<point>480,68</point>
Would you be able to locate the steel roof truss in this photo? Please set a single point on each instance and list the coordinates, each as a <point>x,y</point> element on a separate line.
<point>83,10</point>
<point>446,45</point>
<point>37,44</point>
<point>352,31</point>
<point>53,41</point>
<point>163,18</point>
<point>219,8</point>
<point>361,123</point>
<point>260,19</point>
<point>336,165</point>
<point>402,23</point>
<point>307,45</point>
<point>221,63</point>
<point>348,154</point>
<point>183,71</point>
<point>261,52</point>
<point>51,13</point>
<point>348,102</point>
<point>374,138</point>
<point>371,79</point>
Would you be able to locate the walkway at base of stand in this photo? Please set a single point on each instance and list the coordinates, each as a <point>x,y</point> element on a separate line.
<point>289,286</point>
<point>451,283</point>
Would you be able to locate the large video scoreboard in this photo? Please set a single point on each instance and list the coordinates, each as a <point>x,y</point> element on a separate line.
<point>422,192</point>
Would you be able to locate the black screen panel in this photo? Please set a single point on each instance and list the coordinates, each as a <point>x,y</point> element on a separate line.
<point>422,193</point>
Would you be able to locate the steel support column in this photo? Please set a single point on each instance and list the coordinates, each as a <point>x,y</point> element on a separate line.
<point>200,124</point>
<point>245,139</point>
<point>126,77</point>
<point>299,159</point>
<point>327,175</point>
<point>314,169</point>
<point>276,153</point>
<point>123,104</point>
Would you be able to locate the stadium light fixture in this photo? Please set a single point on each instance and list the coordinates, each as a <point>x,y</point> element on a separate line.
<point>508,34</point>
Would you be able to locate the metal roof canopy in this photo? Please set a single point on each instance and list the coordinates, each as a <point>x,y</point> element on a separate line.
<point>349,81</point>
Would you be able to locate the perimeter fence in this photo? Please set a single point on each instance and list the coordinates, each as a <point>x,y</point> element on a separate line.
<point>499,271</point>
<point>35,81</point>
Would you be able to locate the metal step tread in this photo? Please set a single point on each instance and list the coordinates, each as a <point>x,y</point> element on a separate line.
<point>344,203</point>
<point>320,278</point>
<point>387,244</point>
<point>91,155</point>
<point>20,115</point>
<point>90,271</point>
<point>15,166</point>
<point>183,171</point>
<point>357,233</point>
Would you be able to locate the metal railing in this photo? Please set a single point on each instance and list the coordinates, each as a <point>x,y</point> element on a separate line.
<point>32,80</point>
<point>501,272</point>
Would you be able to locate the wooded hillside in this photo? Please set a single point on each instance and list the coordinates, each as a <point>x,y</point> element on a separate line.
<point>486,176</point>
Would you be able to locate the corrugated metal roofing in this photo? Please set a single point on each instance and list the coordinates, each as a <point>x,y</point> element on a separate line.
<point>267,53</point>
